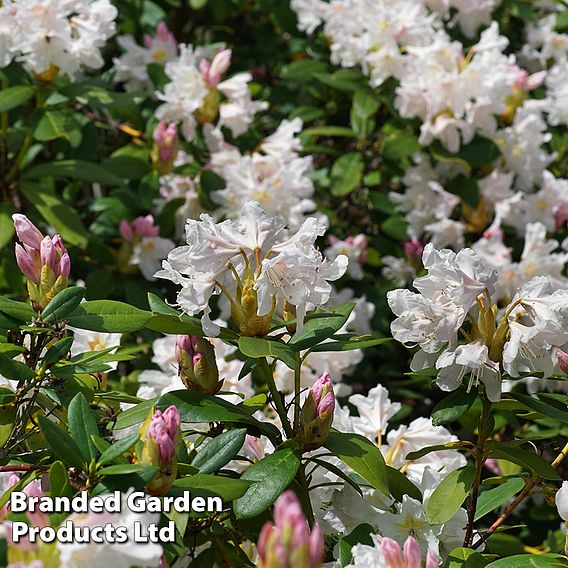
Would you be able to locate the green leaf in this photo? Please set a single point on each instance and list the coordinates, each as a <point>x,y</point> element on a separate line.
<point>321,326</point>
<point>8,414</point>
<point>15,370</point>
<point>354,343</point>
<point>135,415</point>
<point>400,485</point>
<point>205,485</point>
<point>75,169</point>
<point>340,131</point>
<point>346,173</point>
<point>530,561</point>
<point>82,426</point>
<point>125,469</point>
<point>527,459</point>
<point>465,187</point>
<point>18,310</point>
<point>396,227</point>
<point>108,316</point>
<point>258,348</point>
<point>53,124</point>
<point>361,534</point>
<point>399,143</point>
<point>453,407</point>
<point>365,103</point>
<point>13,97</point>
<point>362,456</point>
<point>543,408</point>
<point>490,500</point>
<point>58,350</point>
<point>302,71</point>
<point>449,496</point>
<point>57,213</point>
<point>220,451</point>
<point>63,304</point>
<point>465,558</point>
<point>118,449</point>
<point>61,443</point>
<point>196,407</point>
<point>7,230</point>
<point>272,475</point>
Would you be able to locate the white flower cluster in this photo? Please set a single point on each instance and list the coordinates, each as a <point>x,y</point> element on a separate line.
<point>52,37</point>
<point>253,258</point>
<point>189,92</point>
<point>457,295</point>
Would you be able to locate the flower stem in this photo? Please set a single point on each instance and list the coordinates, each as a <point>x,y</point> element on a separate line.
<point>276,397</point>
<point>529,485</point>
<point>482,433</point>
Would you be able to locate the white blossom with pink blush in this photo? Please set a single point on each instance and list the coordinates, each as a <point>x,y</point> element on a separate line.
<point>354,248</point>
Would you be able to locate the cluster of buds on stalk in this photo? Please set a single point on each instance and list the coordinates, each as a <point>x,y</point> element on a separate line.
<point>244,308</point>
<point>197,364</point>
<point>161,434</point>
<point>165,149</point>
<point>212,72</point>
<point>44,261</point>
<point>409,557</point>
<point>316,415</point>
<point>288,542</point>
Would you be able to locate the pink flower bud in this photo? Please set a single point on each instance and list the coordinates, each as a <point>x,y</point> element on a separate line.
<point>197,364</point>
<point>164,434</point>
<point>392,553</point>
<point>412,554</point>
<point>172,420</point>
<point>165,138</point>
<point>27,232</point>
<point>562,357</point>
<point>138,229</point>
<point>255,447</point>
<point>316,415</point>
<point>414,248</point>
<point>163,34</point>
<point>28,265</point>
<point>288,542</point>
<point>212,72</point>
<point>562,216</point>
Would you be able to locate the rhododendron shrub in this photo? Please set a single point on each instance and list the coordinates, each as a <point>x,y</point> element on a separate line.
<point>306,257</point>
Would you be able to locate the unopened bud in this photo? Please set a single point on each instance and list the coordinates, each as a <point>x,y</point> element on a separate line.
<point>161,433</point>
<point>244,310</point>
<point>197,364</point>
<point>44,261</point>
<point>288,542</point>
<point>165,138</point>
<point>316,415</point>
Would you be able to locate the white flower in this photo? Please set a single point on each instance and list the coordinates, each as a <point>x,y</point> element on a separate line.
<point>375,411</point>
<point>275,175</point>
<point>52,37</point>
<point>117,555</point>
<point>132,66</point>
<point>90,341</point>
<point>149,253</point>
<point>562,501</point>
<point>185,93</point>
<point>239,109</point>
<point>538,321</point>
<point>419,434</point>
<point>472,358</point>
<point>354,248</point>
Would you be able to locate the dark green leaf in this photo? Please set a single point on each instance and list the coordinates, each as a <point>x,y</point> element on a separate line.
<point>63,304</point>
<point>61,443</point>
<point>272,475</point>
<point>118,449</point>
<point>490,500</point>
<point>346,173</point>
<point>453,407</point>
<point>219,451</point>
<point>13,97</point>
<point>83,425</point>
<point>108,316</point>
<point>258,348</point>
